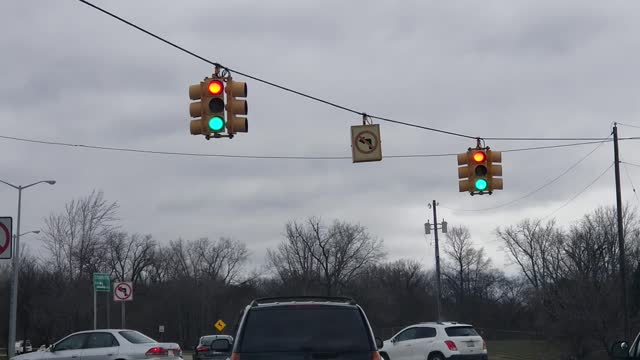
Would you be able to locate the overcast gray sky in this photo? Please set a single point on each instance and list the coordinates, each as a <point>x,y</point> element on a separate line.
<point>497,69</point>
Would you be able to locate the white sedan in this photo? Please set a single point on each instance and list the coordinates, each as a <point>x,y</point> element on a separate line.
<point>107,345</point>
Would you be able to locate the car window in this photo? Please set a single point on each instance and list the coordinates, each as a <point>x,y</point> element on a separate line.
<point>461,331</point>
<point>101,340</point>
<point>73,342</point>
<point>135,337</point>
<point>408,334</point>
<point>425,332</point>
<point>305,328</point>
<point>207,340</point>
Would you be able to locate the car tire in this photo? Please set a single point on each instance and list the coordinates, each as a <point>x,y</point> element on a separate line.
<point>385,356</point>
<point>436,357</point>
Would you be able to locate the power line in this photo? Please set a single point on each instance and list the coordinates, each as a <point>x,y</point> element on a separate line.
<point>268,157</point>
<point>631,182</point>
<point>573,166</point>
<point>627,125</point>
<point>561,145</point>
<point>281,87</point>
<point>580,193</point>
<point>544,139</point>
<point>628,163</point>
<point>327,102</point>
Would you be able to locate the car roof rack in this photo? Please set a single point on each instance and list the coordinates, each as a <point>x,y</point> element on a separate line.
<point>341,299</point>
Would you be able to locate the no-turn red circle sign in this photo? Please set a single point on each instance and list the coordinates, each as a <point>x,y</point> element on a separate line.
<point>5,238</point>
<point>123,291</point>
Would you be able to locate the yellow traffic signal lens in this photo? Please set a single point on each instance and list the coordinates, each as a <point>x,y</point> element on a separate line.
<point>215,87</point>
<point>216,105</point>
<point>479,156</point>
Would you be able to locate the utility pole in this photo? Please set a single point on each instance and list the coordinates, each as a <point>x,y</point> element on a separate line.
<point>623,282</point>
<point>427,229</point>
<point>109,294</point>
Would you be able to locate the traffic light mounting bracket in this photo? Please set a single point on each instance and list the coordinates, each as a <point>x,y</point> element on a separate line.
<point>217,136</point>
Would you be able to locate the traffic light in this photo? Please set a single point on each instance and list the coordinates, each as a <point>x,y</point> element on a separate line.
<point>495,170</point>
<point>479,171</point>
<point>210,108</point>
<point>463,172</point>
<point>235,107</point>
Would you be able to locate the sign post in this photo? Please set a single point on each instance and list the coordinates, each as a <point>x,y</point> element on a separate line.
<point>123,292</point>
<point>101,283</point>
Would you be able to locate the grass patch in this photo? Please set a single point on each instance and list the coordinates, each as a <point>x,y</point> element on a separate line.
<point>525,350</point>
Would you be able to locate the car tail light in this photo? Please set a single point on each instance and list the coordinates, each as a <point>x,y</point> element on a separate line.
<point>451,345</point>
<point>375,356</point>
<point>484,345</point>
<point>202,349</point>
<point>157,351</point>
<point>235,356</point>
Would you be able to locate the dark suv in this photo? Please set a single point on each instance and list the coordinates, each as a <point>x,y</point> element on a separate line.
<point>304,328</point>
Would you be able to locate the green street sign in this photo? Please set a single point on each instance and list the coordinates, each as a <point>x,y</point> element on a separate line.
<point>101,282</point>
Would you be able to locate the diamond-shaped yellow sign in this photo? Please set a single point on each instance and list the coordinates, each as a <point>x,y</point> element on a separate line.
<point>220,325</point>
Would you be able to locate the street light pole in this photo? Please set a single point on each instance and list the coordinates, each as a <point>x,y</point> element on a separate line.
<point>13,307</point>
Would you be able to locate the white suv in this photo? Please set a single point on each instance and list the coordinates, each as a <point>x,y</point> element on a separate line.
<point>435,341</point>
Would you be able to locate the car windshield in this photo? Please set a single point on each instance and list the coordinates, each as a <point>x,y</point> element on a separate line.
<point>135,337</point>
<point>305,328</point>
<point>461,331</point>
<point>207,340</point>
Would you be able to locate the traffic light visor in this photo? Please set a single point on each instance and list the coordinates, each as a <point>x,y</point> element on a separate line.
<point>479,156</point>
<point>215,87</point>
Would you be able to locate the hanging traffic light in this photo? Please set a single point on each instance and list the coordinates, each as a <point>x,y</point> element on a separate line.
<point>479,172</point>
<point>210,108</point>
<point>236,108</point>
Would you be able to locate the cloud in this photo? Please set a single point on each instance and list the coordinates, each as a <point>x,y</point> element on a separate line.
<point>524,68</point>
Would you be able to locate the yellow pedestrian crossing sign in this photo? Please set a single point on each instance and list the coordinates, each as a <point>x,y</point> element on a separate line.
<point>220,325</point>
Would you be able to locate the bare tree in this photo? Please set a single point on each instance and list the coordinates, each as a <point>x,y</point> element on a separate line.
<point>469,275</point>
<point>128,256</point>
<point>74,237</point>
<point>459,248</point>
<point>337,254</point>
<point>222,259</point>
<point>532,245</point>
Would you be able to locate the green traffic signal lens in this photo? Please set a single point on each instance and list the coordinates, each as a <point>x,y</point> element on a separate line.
<point>481,184</point>
<point>216,124</point>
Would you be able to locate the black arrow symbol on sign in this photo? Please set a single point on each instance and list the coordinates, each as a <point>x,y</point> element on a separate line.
<point>123,290</point>
<point>366,141</point>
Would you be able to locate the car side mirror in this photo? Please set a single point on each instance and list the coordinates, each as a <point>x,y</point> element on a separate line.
<point>221,345</point>
<point>379,343</point>
<point>620,350</point>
